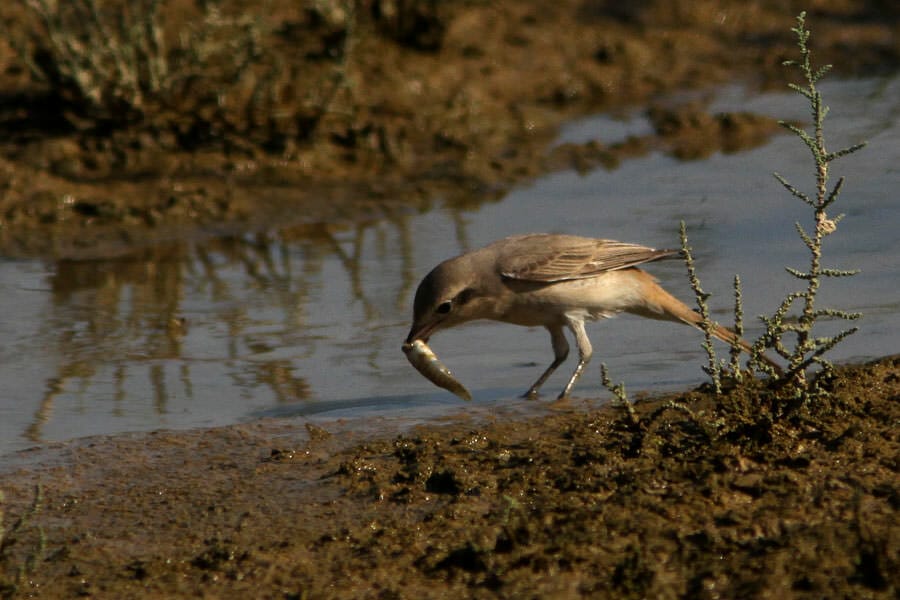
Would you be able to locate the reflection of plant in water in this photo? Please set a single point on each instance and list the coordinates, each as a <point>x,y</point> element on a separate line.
<point>120,323</point>
<point>124,308</point>
<point>279,376</point>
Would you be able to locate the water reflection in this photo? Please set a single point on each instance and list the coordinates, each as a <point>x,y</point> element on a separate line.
<point>246,307</point>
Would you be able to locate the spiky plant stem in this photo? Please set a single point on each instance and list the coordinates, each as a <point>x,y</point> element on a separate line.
<point>713,368</point>
<point>808,348</point>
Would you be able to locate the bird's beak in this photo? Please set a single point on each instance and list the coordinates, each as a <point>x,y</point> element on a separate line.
<point>422,331</point>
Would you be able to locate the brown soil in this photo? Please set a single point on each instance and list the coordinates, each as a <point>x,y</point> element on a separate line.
<point>696,497</point>
<point>449,100</point>
<point>699,498</point>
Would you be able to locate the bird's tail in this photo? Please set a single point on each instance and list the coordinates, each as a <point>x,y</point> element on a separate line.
<point>660,304</point>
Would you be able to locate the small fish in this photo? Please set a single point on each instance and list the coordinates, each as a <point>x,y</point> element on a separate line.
<point>427,363</point>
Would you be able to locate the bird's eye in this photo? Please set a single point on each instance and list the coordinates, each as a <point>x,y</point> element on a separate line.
<point>444,307</point>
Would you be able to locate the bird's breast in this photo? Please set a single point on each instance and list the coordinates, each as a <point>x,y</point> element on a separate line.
<point>599,297</point>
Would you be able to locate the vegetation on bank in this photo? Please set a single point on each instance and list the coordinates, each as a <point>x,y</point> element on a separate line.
<point>191,75</point>
<point>796,385</point>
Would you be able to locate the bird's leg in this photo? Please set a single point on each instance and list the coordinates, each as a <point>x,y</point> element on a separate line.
<point>585,351</point>
<point>560,352</point>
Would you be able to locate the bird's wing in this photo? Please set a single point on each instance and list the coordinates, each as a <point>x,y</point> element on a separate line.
<point>550,257</point>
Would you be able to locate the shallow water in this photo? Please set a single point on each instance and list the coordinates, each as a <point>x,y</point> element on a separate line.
<point>308,321</point>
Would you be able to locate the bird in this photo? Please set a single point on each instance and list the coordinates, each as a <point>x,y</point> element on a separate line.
<point>555,281</point>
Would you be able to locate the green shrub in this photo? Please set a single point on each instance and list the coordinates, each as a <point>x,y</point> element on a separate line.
<point>807,348</point>
<point>193,75</point>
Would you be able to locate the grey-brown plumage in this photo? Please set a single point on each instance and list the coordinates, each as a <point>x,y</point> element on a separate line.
<point>549,257</point>
<point>549,280</point>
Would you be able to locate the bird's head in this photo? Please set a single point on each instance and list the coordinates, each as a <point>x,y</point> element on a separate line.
<point>446,297</point>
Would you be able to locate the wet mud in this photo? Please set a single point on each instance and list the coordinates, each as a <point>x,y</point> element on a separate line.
<point>693,496</point>
<point>450,102</point>
<point>690,496</point>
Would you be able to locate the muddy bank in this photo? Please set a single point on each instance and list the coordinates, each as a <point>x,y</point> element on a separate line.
<point>695,498</point>
<point>385,108</point>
